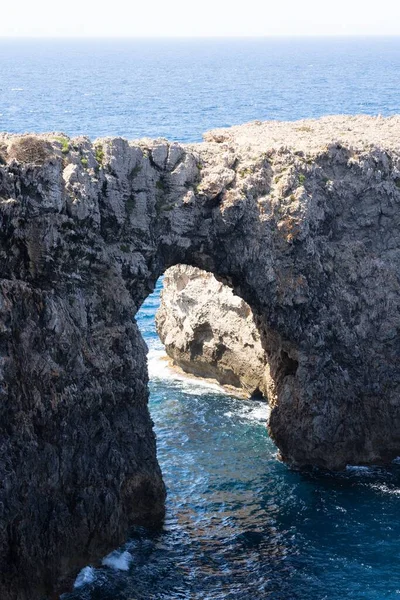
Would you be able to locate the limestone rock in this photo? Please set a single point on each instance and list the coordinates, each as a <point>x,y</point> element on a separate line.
<point>301,219</point>
<point>210,332</point>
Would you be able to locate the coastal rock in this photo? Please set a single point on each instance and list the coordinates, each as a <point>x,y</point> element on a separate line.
<point>300,219</point>
<point>210,332</point>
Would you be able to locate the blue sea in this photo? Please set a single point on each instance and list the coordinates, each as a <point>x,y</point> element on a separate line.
<point>240,524</point>
<point>178,89</point>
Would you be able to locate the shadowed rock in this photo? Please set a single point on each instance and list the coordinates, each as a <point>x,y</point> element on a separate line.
<point>300,219</point>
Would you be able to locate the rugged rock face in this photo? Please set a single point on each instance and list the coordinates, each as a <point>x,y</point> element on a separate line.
<point>210,332</point>
<point>300,219</point>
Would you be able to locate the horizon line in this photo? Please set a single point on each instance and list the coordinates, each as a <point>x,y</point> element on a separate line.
<point>199,37</point>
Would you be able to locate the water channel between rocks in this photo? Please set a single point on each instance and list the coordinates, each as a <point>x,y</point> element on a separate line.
<point>239,523</point>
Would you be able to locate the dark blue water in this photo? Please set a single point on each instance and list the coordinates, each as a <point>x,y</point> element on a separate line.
<point>240,525</point>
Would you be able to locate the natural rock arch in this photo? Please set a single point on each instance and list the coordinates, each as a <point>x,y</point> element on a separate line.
<point>302,226</point>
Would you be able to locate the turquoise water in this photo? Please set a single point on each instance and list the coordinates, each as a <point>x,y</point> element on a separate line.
<point>240,525</point>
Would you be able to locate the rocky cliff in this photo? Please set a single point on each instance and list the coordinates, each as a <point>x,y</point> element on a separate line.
<point>300,219</point>
<point>210,332</point>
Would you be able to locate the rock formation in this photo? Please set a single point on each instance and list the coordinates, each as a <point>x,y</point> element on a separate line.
<point>300,219</point>
<point>210,332</point>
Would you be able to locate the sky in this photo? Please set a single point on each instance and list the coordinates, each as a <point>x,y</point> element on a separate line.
<point>185,18</point>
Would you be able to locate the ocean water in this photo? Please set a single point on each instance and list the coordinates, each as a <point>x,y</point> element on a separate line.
<point>179,89</point>
<point>239,525</point>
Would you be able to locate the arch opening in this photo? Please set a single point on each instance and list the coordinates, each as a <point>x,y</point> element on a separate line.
<point>209,332</point>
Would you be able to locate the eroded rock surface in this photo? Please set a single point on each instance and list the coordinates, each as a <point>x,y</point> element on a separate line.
<point>210,332</point>
<point>300,219</point>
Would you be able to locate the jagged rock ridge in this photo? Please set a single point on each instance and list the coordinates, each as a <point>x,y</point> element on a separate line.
<point>300,219</point>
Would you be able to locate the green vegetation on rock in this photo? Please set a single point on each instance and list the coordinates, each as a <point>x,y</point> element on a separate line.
<point>64,144</point>
<point>99,155</point>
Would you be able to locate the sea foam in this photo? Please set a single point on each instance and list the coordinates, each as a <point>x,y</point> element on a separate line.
<point>86,576</point>
<point>120,561</point>
<point>159,368</point>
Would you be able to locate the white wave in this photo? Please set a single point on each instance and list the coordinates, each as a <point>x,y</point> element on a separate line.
<point>260,411</point>
<point>157,361</point>
<point>118,560</point>
<point>159,368</point>
<point>17,89</point>
<point>396,461</point>
<point>87,575</point>
<point>386,489</point>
